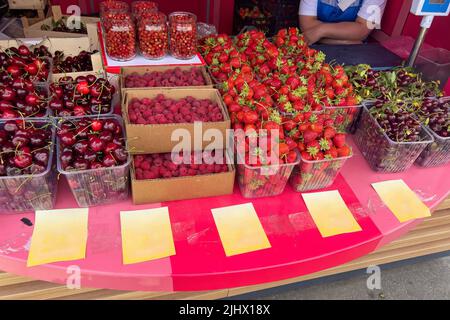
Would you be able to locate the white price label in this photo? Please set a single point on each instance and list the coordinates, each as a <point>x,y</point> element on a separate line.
<point>120,28</point>
<point>184,28</point>
<point>153,28</point>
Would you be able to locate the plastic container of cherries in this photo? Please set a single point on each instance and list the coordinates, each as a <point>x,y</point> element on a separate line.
<point>92,155</point>
<point>28,180</point>
<point>435,116</point>
<point>382,152</point>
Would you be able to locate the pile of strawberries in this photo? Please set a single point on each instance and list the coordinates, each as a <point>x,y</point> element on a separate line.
<point>261,53</point>
<point>286,86</point>
<point>222,57</point>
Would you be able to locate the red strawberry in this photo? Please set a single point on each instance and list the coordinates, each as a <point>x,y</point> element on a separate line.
<point>291,157</point>
<point>306,156</point>
<point>344,151</point>
<point>316,127</point>
<point>332,153</point>
<point>339,140</point>
<point>309,136</point>
<point>329,132</point>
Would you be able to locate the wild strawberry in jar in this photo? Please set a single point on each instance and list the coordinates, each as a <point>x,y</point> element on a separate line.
<point>183,35</point>
<point>153,36</point>
<point>142,9</point>
<point>120,37</point>
<point>109,8</point>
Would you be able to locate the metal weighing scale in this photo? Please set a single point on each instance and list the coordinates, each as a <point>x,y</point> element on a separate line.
<point>428,9</point>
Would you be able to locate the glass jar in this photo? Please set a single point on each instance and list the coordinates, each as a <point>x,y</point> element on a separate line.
<point>142,9</point>
<point>120,37</point>
<point>153,36</point>
<point>183,35</point>
<point>109,8</point>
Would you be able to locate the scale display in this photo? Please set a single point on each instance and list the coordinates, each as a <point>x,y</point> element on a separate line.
<point>430,7</point>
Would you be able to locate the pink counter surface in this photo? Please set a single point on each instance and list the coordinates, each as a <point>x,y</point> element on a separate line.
<point>200,263</point>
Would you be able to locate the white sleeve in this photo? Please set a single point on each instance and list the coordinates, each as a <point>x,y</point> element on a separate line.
<point>372,10</point>
<point>308,8</point>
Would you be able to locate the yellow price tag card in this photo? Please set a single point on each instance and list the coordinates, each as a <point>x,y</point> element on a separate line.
<point>240,229</point>
<point>146,235</point>
<point>330,213</point>
<point>401,200</point>
<point>58,235</point>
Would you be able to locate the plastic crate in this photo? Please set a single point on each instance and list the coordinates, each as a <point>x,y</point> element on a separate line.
<point>30,192</point>
<point>436,153</point>
<point>98,186</point>
<point>345,118</point>
<point>382,153</point>
<point>434,64</point>
<point>267,181</point>
<point>314,175</point>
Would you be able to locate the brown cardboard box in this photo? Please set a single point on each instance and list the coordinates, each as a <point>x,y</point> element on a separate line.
<point>142,70</point>
<point>27,4</point>
<point>179,188</point>
<point>70,47</point>
<point>157,138</point>
<point>34,30</point>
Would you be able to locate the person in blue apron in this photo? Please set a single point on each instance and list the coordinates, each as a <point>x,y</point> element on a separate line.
<point>339,21</point>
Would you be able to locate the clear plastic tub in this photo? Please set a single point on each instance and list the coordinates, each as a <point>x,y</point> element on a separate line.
<point>345,118</point>
<point>30,192</point>
<point>314,175</point>
<point>267,181</point>
<point>434,64</point>
<point>98,186</point>
<point>382,153</point>
<point>436,153</point>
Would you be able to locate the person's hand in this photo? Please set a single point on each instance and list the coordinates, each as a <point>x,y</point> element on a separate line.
<point>313,35</point>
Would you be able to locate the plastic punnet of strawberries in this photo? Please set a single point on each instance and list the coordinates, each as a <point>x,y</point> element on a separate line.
<point>264,168</point>
<point>323,149</point>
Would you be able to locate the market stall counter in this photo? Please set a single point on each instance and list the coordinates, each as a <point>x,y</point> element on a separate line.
<point>297,247</point>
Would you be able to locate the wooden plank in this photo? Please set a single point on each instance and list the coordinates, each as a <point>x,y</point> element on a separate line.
<point>372,259</point>
<point>37,290</point>
<point>444,205</point>
<point>7,279</point>
<point>27,4</point>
